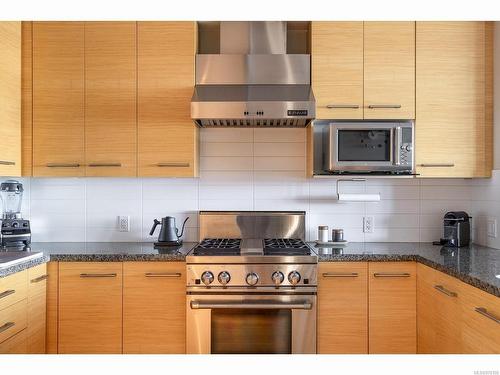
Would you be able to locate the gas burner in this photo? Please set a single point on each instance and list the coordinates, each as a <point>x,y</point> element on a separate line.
<point>220,243</point>
<point>285,246</point>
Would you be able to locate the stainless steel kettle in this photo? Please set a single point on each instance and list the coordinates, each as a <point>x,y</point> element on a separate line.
<point>169,234</point>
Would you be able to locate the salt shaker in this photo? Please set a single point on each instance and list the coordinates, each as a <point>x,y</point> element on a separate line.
<point>323,233</point>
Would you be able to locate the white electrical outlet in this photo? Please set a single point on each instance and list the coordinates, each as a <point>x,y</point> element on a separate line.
<point>368,222</point>
<point>491,227</point>
<point>124,223</point>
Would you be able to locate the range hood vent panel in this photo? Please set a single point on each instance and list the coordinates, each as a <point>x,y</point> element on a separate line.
<point>253,82</point>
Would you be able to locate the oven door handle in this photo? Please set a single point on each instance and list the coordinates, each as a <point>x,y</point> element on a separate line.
<point>195,305</point>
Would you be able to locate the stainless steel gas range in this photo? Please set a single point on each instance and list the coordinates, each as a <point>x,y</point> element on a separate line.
<point>251,285</point>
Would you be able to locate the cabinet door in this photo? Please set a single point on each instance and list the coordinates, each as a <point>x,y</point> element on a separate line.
<point>154,308</point>
<point>90,308</point>
<point>58,99</point>
<point>392,300</point>
<point>453,122</point>
<point>37,315</point>
<point>439,318</point>
<point>17,344</point>
<point>481,322</point>
<point>343,308</point>
<point>10,98</point>
<point>110,99</point>
<point>52,307</point>
<point>389,70</point>
<point>167,137</point>
<point>13,288</point>
<point>337,69</point>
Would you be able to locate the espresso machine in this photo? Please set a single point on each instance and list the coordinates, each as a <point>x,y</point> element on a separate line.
<point>15,232</point>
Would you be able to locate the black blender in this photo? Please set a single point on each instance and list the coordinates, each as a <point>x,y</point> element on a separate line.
<point>15,231</point>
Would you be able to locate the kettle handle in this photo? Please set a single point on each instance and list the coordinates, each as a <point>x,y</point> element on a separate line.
<point>182,230</point>
<point>155,224</point>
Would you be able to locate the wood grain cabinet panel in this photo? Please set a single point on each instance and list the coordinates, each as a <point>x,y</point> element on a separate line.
<point>17,344</point>
<point>110,99</point>
<point>13,319</point>
<point>58,99</point>
<point>52,307</point>
<point>154,307</point>
<point>167,137</point>
<point>10,98</point>
<point>27,99</point>
<point>343,308</point>
<point>392,308</point>
<point>389,70</point>
<point>439,320</point>
<point>337,69</point>
<point>481,322</point>
<point>37,313</point>
<point>90,308</point>
<point>453,99</point>
<point>13,289</point>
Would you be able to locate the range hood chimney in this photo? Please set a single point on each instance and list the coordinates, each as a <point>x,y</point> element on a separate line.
<point>253,74</point>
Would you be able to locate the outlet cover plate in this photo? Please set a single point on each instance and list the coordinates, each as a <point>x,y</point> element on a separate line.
<point>124,223</point>
<point>368,223</point>
<point>491,227</point>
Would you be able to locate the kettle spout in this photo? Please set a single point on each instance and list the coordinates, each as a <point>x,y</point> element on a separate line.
<point>182,230</point>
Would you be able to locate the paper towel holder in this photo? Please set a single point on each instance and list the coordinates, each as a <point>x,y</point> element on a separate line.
<point>355,197</point>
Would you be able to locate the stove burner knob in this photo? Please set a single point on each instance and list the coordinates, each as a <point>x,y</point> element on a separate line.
<point>207,277</point>
<point>277,277</point>
<point>294,278</point>
<point>252,279</point>
<point>224,277</point>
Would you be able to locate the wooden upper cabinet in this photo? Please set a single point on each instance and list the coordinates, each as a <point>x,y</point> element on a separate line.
<point>337,69</point>
<point>454,99</point>
<point>343,308</point>
<point>58,98</point>
<point>167,137</point>
<point>90,308</point>
<point>389,70</point>
<point>392,314</point>
<point>154,307</point>
<point>110,99</point>
<point>10,98</point>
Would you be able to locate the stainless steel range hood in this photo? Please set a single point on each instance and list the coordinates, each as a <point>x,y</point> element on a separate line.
<point>253,74</point>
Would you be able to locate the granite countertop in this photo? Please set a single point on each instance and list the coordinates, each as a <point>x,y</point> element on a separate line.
<point>23,266</point>
<point>476,265</point>
<point>111,251</point>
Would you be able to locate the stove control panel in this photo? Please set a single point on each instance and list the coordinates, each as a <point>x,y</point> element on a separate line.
<point>251,275</point>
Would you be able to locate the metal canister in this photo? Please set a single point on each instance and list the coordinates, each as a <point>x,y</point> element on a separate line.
<point>323,233</point>
<point>337,235</point>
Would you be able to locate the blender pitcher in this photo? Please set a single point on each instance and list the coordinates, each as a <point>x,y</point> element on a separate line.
<point>11,194</point>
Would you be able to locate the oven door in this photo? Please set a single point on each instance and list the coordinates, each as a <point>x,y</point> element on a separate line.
<point>251,324</point>
<point>362,147</point>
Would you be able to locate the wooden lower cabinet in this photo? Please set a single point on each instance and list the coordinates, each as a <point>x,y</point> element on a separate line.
<point>439,319</point>
<point>392,307</point>
<point>154,307</point>
<point>52,307</point>
<point>343,308</point>
<point>17,344</point>
<point>37,314</point>
<point>13,289</point>
<point>90,307</point>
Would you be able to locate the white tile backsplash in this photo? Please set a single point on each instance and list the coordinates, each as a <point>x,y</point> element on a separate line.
<point>252,169</point>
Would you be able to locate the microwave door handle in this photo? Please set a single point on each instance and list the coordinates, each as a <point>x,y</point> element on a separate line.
<point>396,144</point>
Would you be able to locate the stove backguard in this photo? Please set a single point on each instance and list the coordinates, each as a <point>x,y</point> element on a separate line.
<point>252,224</point>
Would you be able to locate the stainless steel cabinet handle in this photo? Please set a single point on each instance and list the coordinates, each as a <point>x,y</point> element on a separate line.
<point>63,165</point>
<point>388,274</point>
<point>250,305</point>
<point>172,164</point>
<point>6,326</point>
<point>105,164</point>
<point>163,274</point>
<point>40,278</point>
<point>98,275</point>
<point>382,106</point>
<point>7,293</point>
<point>333,274</point>
<point>342,106</point>
<point>437,165</point>
<point>6,162</point>
<point>442,289</point>
<point>484,312</point>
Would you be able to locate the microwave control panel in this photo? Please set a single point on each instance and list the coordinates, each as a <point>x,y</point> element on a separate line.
<point>405,148</point>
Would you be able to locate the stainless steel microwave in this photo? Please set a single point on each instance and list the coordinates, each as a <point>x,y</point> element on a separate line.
<point>371,147</point>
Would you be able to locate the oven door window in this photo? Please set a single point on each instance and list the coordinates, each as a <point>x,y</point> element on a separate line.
<point>251,331</point>
<point>364,145</point>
